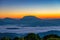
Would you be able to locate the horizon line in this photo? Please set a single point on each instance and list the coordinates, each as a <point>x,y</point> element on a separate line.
<point>26,16</point>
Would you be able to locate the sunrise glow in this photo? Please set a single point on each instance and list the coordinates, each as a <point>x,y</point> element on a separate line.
<point>41,9</point>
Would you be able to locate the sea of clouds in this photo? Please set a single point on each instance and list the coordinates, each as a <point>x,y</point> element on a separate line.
<point>3,29</point>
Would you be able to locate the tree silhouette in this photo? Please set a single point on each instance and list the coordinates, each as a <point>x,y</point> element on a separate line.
<point>5,38</point>
<point>51,36</point>
<point>16,38</point>
<point>32,36</point>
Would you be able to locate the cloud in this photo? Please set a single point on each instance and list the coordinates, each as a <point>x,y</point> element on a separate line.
<point>27,29</point>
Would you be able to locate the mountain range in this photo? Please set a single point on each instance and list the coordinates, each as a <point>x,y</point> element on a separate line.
<point>30,21</point>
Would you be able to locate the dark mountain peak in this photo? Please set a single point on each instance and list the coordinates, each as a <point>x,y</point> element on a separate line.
<point>7,18</point>
<point>30,18</point>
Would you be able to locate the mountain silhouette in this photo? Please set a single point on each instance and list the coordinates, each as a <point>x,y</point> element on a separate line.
<point>8,21</point>
<point>30,21</point>
<point>30,18</point>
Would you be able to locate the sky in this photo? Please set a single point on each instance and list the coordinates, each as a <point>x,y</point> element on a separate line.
<point>39,8</point>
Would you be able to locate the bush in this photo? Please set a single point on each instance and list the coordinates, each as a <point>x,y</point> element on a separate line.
<point>5,38</point>
<point>51,37</point>
<point>32,36</point>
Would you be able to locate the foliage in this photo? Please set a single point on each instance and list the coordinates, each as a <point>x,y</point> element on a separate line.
<point>51,37</point>
<point>32,36</point>
<point>5,38</point>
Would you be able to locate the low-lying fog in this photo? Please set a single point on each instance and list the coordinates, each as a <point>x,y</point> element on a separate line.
<point>17,29</point>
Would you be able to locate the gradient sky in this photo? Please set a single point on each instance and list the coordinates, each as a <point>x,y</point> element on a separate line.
<point>38,8</point>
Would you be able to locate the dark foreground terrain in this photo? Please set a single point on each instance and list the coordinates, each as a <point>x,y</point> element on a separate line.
<point>32,36</point>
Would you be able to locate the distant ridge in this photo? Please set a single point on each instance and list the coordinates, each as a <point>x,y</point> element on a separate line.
<point>30,21</point>
<point>30,18</point>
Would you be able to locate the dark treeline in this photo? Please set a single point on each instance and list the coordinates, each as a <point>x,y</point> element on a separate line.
<point>32,36</point>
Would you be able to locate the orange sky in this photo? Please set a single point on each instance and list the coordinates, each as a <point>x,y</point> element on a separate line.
<point>17,13</point>
<point>41,9</point>
<point>41,15</point>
